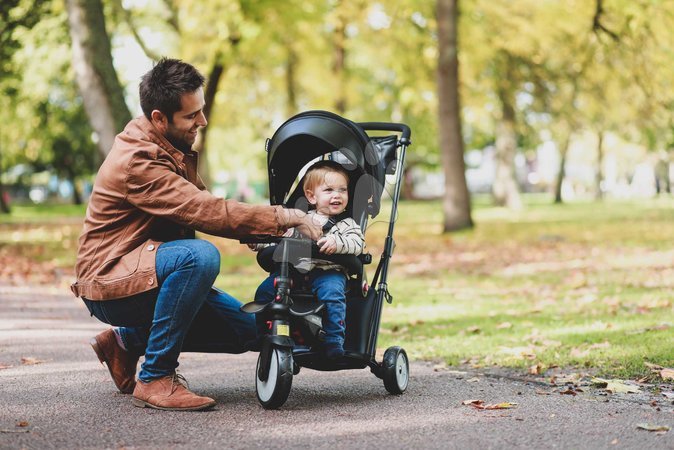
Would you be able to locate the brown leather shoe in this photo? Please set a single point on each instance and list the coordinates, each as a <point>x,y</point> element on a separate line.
<point>121,364</point>
<point>169,393</point>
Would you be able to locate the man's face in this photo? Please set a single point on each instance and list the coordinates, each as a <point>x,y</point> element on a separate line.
<point>182,131</point>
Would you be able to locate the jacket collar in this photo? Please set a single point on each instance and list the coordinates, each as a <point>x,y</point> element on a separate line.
<point>156,137</point>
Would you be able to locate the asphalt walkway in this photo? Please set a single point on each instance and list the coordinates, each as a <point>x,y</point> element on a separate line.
<point>55,394</point>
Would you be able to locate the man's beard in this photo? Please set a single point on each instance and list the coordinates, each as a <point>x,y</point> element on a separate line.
<point>179,144</point>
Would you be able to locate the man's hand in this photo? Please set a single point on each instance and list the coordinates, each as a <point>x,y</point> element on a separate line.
<point>327,245</point>
<point>305,223</point>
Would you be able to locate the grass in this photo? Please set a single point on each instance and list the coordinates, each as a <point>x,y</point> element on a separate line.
<point>580,286</point>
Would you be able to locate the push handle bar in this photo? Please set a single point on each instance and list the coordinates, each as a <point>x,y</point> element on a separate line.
<point>388,126</point>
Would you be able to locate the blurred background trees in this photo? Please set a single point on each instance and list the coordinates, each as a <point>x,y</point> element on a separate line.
<point>570,97</point>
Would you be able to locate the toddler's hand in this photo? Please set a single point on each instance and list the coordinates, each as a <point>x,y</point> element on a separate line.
<point>327,245</point>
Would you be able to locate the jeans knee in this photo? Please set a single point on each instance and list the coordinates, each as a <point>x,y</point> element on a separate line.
<point>331,293</point>
<point>207,257</point>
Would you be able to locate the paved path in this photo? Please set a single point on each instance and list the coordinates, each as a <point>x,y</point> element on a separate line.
<point>68,401</point>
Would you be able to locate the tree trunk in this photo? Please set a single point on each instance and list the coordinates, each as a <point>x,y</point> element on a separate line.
<point>564,149</point>
<point>339,60</point>
<point>209,98</point>
<point>599,175</point>
<point>4,205</point>
<point>96,77</point>
<point>456,200</point>
<point>505,189</point>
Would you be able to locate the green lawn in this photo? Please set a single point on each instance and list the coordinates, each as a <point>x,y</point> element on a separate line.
<point>583,285</point>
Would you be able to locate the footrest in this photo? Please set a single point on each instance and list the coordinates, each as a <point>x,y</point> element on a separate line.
<point>297,312</point>
<point>253,307</point>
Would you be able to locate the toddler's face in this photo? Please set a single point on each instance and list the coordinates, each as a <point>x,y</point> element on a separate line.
<point>331,196</point>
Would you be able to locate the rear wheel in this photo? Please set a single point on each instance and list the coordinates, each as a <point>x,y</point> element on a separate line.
<point>274,391</point>
<point>395,370</point>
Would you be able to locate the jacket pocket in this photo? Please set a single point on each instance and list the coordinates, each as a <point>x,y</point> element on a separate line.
<point>140,259</point>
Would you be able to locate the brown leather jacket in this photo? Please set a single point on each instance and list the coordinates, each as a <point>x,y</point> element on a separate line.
<point>147,192</point>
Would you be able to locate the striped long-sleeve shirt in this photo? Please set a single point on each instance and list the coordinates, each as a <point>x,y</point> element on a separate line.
<point>348,237</point>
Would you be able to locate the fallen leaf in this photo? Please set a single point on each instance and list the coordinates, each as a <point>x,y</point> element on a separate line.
<point>5,366</point>
<point>23,423</point>
<point>439,367</point>
<point>615,386</point>
<point>650,427</point>
<point>653,366</point>
<point>569,391</point>
<point>541,392</point>
<point>667,374</point>
<point>473,380</point>
<point>30,361</point>
<point>536,369</point>
<point>479,404</point>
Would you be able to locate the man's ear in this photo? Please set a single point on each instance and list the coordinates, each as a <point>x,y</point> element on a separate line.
<point>159,120</point>
<point>311,198</point>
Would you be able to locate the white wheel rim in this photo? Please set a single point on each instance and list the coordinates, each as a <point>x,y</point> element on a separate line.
<point>265,389</point>
<point>402,371</point>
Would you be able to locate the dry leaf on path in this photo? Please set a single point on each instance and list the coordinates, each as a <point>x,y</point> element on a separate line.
<point>479,404</point>
<point>667,374</point>
<point>568,391</point>
<point>30,361</point>
<point>23,423</point>
<point>650,427</point>
<point>615,386</point>
<point>5,366</point>
<point>536,369</point>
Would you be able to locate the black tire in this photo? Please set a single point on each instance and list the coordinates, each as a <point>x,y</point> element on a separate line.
<point>395,370</point>
<point>274,392</point>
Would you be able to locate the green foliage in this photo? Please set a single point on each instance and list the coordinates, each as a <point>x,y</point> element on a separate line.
<point>44,121</point>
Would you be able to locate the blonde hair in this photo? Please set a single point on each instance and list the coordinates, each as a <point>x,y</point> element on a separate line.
<point>316,173</point>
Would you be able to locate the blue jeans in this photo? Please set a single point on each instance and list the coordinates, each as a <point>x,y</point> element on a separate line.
<point>329,286</point>
<point>185,314</point>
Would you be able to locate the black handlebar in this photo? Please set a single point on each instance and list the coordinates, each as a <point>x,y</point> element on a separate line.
<point>387,126</point>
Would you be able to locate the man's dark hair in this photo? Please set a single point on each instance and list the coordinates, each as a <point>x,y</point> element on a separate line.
<point>163,86</point>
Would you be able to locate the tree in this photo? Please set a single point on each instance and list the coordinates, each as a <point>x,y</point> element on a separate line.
<point>456,201</point>
<point>505,188</point>
<point>14,15</point>
<point>98,82</point>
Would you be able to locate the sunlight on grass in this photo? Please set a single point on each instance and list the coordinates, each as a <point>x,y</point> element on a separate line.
<point>582,285</point>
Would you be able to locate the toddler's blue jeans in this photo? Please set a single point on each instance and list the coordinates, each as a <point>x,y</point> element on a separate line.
<point>186,313</point>
<point>329,286</point>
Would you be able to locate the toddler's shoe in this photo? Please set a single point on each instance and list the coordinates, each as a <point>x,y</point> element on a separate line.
<point>334,351</point>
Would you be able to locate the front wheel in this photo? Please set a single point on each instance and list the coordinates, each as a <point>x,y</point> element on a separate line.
<point>395,370</point>
<point>274,391</point>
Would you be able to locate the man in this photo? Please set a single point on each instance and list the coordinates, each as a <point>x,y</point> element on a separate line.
<point>139,266</point>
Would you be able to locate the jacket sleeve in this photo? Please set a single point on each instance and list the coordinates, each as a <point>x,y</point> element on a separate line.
<point>155,187</point>
<point>348,237</point>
